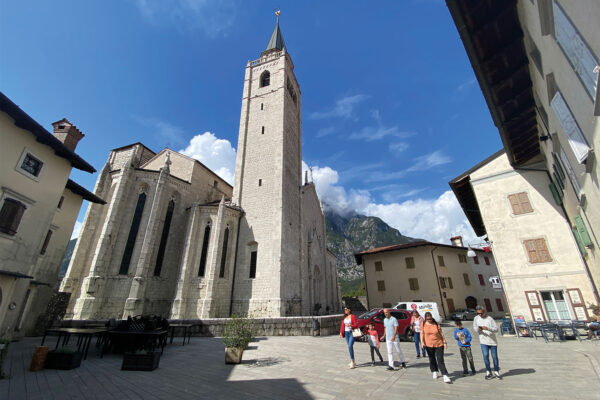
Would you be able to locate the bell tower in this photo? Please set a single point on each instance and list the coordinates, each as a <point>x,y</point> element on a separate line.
<point>267,186</point>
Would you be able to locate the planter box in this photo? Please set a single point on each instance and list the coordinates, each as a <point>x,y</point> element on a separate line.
<point>140,362</point>
<point>233,355</point>
<point>58,360</point>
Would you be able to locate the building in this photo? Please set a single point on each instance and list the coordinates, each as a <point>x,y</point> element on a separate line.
<point>38,209</point>
<point>177,240</point>
<point>426,271</point>
<point>537,65</point>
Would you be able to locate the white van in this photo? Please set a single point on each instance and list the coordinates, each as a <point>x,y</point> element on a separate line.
<point>421,307</point>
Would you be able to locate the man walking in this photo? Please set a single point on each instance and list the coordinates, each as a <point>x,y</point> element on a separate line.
<point>392,339</point>
<point>486,328</point>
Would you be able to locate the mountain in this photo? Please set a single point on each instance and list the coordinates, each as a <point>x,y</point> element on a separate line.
<point>347,235</point>
<point>65,262</point>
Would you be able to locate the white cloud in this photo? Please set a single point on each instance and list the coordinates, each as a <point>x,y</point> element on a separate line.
<point>398,147</point>
<point>344,108</point>
<point>216,154</point>
<point>370,133</point>
<point>164,132</point>
<point>429,161</point>
<point>325,131</point>
<point>466,84</point>
<point>211,17</point>
<point>76,229</point>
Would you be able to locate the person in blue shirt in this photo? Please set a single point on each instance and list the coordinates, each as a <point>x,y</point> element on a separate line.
<point>463,337</point>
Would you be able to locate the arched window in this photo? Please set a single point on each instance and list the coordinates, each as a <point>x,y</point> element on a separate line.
<point>265,79</point>
<point>163,238</point>
<point>204,253</point>
<point>224,254</point>
<point>133,231</point>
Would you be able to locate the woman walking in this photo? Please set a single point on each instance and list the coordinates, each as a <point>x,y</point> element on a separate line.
<point>434,342</point>
<point>349,323</point>
<point>415,325</point>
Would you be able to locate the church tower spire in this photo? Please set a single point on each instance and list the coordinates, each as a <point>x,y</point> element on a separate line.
<point>276,42</point>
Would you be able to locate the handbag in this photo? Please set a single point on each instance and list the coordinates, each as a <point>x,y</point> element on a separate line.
<point>356,333</point>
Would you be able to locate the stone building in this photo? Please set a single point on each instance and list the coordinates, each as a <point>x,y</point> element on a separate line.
<point>537,63</point>
<point>426,271</point>
<point>39,205</point>
<point>177,240</point>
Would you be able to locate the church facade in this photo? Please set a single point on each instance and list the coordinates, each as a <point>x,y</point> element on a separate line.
<point>176,240</point>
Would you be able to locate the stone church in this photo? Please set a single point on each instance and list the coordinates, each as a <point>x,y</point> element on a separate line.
<point>176,240</point>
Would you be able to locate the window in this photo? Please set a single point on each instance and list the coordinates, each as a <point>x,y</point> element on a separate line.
<point>488,305</point>
<point>410,262</point>
<point>46,242</point>
<point>534,53</point>
<point>215,183</point>
<point>378,266</point>
<point>60,202</point>
<point>466,278</point>
<point>31,165</point>
<point>261,106</point>
<point>204,253</point>
<point>487,260</point>
<point>442,282</point>
<point>260,182</point>
<point>164,237</point>
<point>10,215</point>
<point>476,260</point>
<point>570,173</point>
<point>224,254</point>
<point>133,231</point>
<point>265,79</point>
<point>252,265</point>
<point>537,251</point>
<point>413,283</point>
<point>381,286</point>
<point>441,261</point>
<point>399,315</point>
<point>481,280</point>
<point>499,305</point>
<point>570,127</point>
<point>262,130</point>
<point>462,258</point>
<point>450,283</point>
<point>520,203</point>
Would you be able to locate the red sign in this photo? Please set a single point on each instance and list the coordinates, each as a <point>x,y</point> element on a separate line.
<point>413,306</point>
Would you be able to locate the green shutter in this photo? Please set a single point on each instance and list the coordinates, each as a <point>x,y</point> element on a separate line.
<point>578,240</point>
<point>555,193</point>
<point>583,233</point>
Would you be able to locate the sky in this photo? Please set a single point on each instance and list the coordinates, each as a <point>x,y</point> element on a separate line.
<point>391,109</point>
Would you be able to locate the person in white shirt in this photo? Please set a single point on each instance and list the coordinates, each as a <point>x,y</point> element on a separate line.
<point>486,328</point>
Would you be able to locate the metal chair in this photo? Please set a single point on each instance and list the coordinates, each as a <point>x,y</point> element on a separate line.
<point>566,329</point>
<point>506,327</point>
<point>551,329</point>
<point>523,330</point>
<point>535,328</point>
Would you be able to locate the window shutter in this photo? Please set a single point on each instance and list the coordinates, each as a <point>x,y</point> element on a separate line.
<point>583,233</point>
<point>466,278</point>
<point>450,283</point>
<point>476,260</point>
<point>10,216</point>
<point>531,253</point>
<point>555,193</point>
<point>499,305</point>
<point>442,283</point>
<point>441,261</point>
<point>542,250</point>
<point>525,204</point>
<point>488,305</point>
<point>481,281</point>
<point>579,242</point>
<point>514,203</point>
<point>487,260</point>
<point>46,242</point>
<point>410,262</point>
<point>381,286</point>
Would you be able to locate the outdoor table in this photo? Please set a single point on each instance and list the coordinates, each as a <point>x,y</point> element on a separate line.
<point>83,342</point>
<point>185,331</point>
<point>150,339</point>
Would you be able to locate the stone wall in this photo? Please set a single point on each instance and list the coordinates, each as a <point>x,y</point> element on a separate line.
<point>285,326</point>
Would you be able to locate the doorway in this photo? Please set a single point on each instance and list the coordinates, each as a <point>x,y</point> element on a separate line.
<point>555,305</point>
<point>471,302</point>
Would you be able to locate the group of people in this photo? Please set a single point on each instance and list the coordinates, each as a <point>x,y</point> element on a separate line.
<point>429,339</point>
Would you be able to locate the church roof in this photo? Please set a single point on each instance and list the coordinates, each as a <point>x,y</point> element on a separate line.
<point>276,41</point>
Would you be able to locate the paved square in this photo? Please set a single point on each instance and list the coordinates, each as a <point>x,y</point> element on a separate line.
<point>311,368</point>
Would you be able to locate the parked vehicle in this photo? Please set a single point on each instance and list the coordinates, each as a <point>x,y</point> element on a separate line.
<point>376,317</point>
<point>464,314</point>
<point>421,307</point>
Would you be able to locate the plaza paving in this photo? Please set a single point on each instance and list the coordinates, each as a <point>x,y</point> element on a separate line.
<point>311,368</point>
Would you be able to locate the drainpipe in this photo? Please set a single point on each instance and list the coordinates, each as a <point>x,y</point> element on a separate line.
<point>437,279</point>
<point>237,247</point>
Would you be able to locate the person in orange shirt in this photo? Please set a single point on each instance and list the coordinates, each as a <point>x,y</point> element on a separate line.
<point>374,344</point>
<point>434,342</point>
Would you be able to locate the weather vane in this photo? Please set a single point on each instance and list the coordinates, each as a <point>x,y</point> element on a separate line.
<point>277,12</point>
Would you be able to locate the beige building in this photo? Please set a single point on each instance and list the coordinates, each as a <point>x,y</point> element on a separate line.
<point>177,240</point>
<point>537,63</point>
<point>38,209</point>
<point>424,271</point>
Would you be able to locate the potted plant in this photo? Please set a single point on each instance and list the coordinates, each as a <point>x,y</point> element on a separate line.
<point>140,360</point>
<point>63,358</point>
<point>239,331</point>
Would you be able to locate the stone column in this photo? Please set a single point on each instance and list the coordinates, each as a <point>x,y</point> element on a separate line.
<point>186,269</point>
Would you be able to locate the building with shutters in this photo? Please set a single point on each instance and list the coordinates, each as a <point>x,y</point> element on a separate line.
<point>423,271</point>
<point>178,241</point>
<point>39,205</point>
<point>537,63</point>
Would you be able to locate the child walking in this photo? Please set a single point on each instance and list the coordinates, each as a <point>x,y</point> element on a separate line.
<point>463,337</point>
<point>374,344</point>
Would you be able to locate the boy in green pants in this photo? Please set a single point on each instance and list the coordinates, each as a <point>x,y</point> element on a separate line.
<point>463,337</point>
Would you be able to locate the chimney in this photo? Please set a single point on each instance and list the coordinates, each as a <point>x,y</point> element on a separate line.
<point>67,133</point>
<point>456,241</point>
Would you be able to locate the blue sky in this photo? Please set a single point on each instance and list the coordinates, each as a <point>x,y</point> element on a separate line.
<point>391,108</point>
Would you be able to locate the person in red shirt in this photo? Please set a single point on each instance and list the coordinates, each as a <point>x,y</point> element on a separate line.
<point>348,323</point>
<point>374,344</point>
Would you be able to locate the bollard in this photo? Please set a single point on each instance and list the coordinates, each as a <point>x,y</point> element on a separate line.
<point>39,358</point>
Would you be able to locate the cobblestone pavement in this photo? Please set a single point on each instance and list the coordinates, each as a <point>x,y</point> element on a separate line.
<point>311,368</point>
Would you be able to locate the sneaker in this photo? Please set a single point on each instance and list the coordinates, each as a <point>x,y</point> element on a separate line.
<point>352,365</point>
<point>473,373</point>
<point>465,373</point>
<point>447,379</point>
<point>403,365</point>
<point>488,375</point>
<point>372,363</point>
<point>435,375</point>
<point>390,368</point>
<point>418,356</point>
<point>497,375</point>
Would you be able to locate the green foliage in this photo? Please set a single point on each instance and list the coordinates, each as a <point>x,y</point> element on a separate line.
<point>239,331</point>
<point>353,287</point>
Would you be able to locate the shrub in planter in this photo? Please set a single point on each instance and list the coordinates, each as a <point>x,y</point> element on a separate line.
<point>238,332</point>
<point>63,358</point>
<point>141,361</point>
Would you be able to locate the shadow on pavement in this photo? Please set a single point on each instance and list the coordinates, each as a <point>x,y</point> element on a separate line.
<point>518,371</point>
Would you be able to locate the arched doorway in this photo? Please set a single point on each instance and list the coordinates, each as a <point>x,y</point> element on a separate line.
<point>471,302</point>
